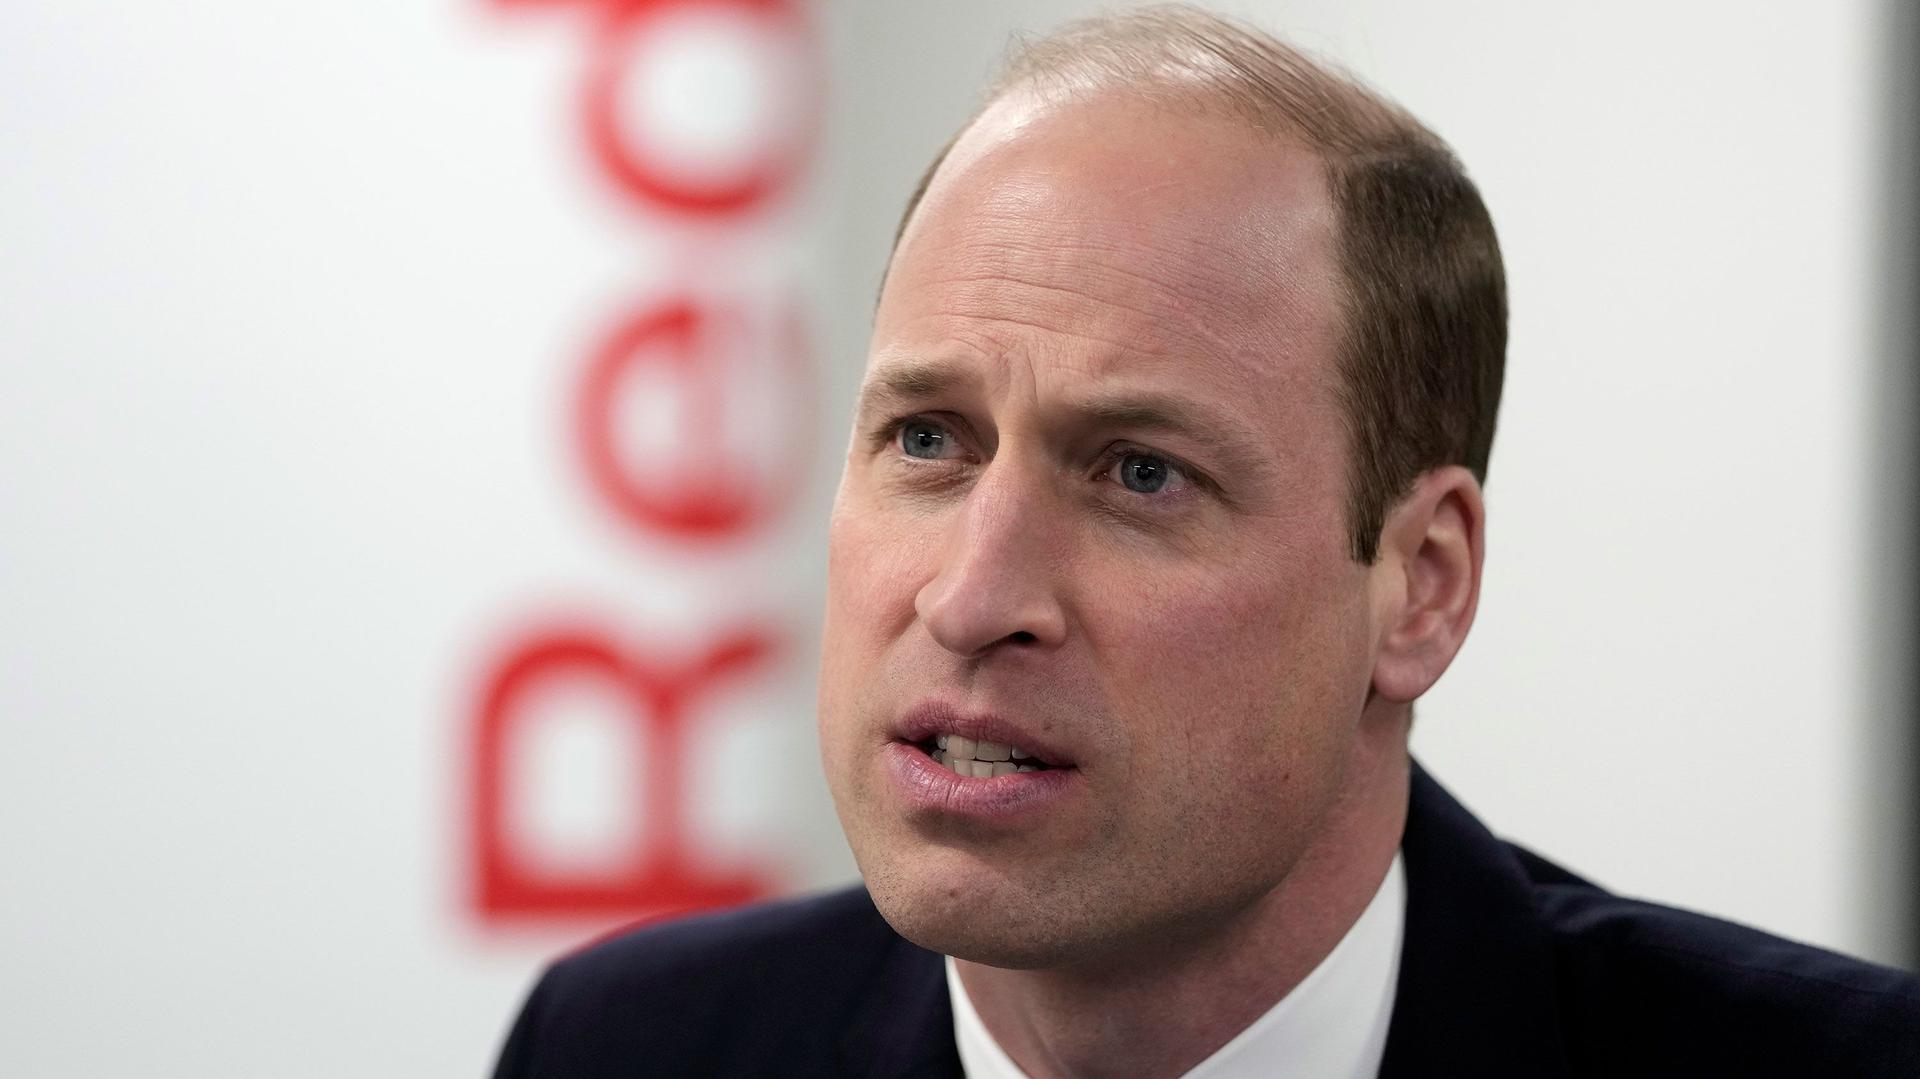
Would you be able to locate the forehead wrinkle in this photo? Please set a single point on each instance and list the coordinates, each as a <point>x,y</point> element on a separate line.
<point>1255,312</point>
<point>1104,344</point>
<point>985,272</point>
<point>1239,370</point>
<point>1269,218</point>
<point>988,347</point>
<point>1067,326</point>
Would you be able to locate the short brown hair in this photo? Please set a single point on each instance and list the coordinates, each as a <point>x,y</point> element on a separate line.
<point>1425,321</point>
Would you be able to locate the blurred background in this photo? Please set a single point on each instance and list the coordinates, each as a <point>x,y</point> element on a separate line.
<point>417,423</point>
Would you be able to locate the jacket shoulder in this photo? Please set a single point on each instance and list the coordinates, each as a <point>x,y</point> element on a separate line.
<point>1645,988</point>
<point>761,947</point>
<point>757,990</point>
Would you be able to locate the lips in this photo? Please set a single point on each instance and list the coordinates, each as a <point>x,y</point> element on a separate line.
<point>956,738</point>
<point>995,795</point>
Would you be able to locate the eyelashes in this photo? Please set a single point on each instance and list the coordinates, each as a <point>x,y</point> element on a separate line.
<point>1144,474</point>
<point>891,434</point>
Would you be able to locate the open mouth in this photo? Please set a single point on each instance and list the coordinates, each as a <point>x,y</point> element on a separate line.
<point>982,760</point>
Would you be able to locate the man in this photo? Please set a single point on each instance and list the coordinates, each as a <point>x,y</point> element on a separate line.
<point>1162,507</point>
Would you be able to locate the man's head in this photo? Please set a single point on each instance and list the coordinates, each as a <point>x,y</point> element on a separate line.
<point>1165,469</point>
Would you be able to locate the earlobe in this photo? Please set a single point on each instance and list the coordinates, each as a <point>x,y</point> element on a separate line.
<point>1431,551</point>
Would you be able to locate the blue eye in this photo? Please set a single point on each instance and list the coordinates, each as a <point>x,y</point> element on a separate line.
<point>1144,474</point>
<point>919,438</point>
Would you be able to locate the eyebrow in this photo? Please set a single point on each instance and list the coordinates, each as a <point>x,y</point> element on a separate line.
<point>1170,415</point>
<point>895,385</point>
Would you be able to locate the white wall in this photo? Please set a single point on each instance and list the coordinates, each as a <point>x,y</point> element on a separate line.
<point>291,297</point>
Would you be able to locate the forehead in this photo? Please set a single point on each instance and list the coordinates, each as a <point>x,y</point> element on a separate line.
<point>1109,238</point>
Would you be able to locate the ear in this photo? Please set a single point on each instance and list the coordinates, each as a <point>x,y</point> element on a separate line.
<point>1426,581</point>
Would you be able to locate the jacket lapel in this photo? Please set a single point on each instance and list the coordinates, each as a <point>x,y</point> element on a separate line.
<point>1476,989</point>
<point>903,1024</point>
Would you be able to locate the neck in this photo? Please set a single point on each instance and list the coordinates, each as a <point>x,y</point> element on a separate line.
<point>1164,1012</point>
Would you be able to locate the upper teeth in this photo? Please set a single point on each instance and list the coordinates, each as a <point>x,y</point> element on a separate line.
<point>969,757</point>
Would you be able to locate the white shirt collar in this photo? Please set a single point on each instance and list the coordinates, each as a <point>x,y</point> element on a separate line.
<point>1332,1025</point>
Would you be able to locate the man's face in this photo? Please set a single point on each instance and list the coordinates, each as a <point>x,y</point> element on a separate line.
<point>1094,508</point>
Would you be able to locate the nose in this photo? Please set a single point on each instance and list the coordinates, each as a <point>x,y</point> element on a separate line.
<point>996,585</point>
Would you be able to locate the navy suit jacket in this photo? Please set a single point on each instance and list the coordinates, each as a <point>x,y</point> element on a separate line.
<point>1510,966</point>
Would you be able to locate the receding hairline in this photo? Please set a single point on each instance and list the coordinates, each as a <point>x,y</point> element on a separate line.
<point>1180,57</point>
<point>1184,56</point>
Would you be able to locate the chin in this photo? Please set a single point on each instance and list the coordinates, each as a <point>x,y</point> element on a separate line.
<point>976,935</point>
<point>983,918</point>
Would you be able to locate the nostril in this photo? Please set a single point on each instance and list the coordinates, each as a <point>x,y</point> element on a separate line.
<point>1021,636</point>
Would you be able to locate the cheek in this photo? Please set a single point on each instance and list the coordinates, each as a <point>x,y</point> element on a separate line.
<point>874,571</point>
<point>872,579</point>
<point>1241,669</point>
<point>1243,717</point>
